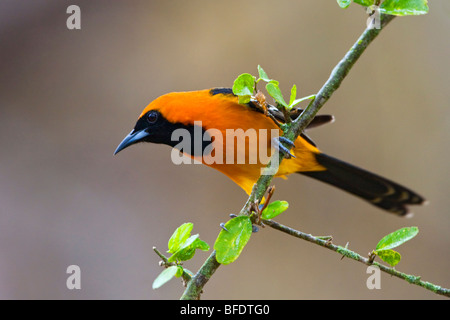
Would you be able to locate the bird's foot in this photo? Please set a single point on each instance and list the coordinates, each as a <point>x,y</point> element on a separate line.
<point>278,144</point>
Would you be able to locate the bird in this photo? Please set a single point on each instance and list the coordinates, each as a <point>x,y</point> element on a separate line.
<point>216,114</point>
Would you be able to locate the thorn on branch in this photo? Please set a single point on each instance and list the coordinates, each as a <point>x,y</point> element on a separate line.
<point>222,225</point>
<point>270,192</point>
<point>372,256</point>
<point>257,209</point>
<point>328,239</point>
<point>346,247</point>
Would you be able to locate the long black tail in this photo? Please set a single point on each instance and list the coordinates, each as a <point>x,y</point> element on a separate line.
<point>377,190</point>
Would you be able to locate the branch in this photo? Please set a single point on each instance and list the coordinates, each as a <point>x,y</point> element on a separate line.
<point>357,257</point>
<point>338,74</point>
<point>195,286</point>
<point>165,262</point>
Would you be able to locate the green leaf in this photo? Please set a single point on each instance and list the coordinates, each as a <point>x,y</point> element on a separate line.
<point>293,95</point>
<point>263,75</point>
<point>365,3</point>
<point>182,248</point>
<point>244,99</point>
<point>165,276</point>
<point>186,253</point>
<point>344,3</point>
<point>296,102</point>
<point>274,209</point>
<point>244,85</point>
<point>274,90</point>
<point>182,245</point>
<point>404,7</point>
<point>180,235</point>
<point>229,244</point>
<point>200,244</point>
<point>182,255</point>
<point>179,272</point>
<point>397,238</point>
<point>389,256</point>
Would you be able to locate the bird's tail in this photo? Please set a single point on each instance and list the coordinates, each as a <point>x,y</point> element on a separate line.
<point>377,190</point>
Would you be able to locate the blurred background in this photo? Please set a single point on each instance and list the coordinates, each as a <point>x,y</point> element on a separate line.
<point>68,97</point>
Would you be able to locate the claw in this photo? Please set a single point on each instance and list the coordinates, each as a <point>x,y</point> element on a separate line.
<point>283,149</point>
<point>286,140</point>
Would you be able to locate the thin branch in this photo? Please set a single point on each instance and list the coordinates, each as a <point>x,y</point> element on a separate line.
<point>338,74</point>
<point>165,262</point>
<point>357,257</point>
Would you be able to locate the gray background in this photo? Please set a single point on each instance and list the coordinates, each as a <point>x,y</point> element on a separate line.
<point>67,98</point>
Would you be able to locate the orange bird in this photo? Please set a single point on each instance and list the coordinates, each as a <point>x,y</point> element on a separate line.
<point>210,126</point>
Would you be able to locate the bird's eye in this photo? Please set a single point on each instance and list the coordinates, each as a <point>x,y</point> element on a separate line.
<point>152,116</point>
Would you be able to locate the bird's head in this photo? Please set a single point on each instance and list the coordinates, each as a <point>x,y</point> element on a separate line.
<point>162,117</point>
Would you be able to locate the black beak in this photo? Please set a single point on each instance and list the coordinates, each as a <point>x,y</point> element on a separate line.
<point>132,138</point>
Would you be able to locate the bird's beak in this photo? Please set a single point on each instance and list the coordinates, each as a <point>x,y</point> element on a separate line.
<point>132,138</point>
